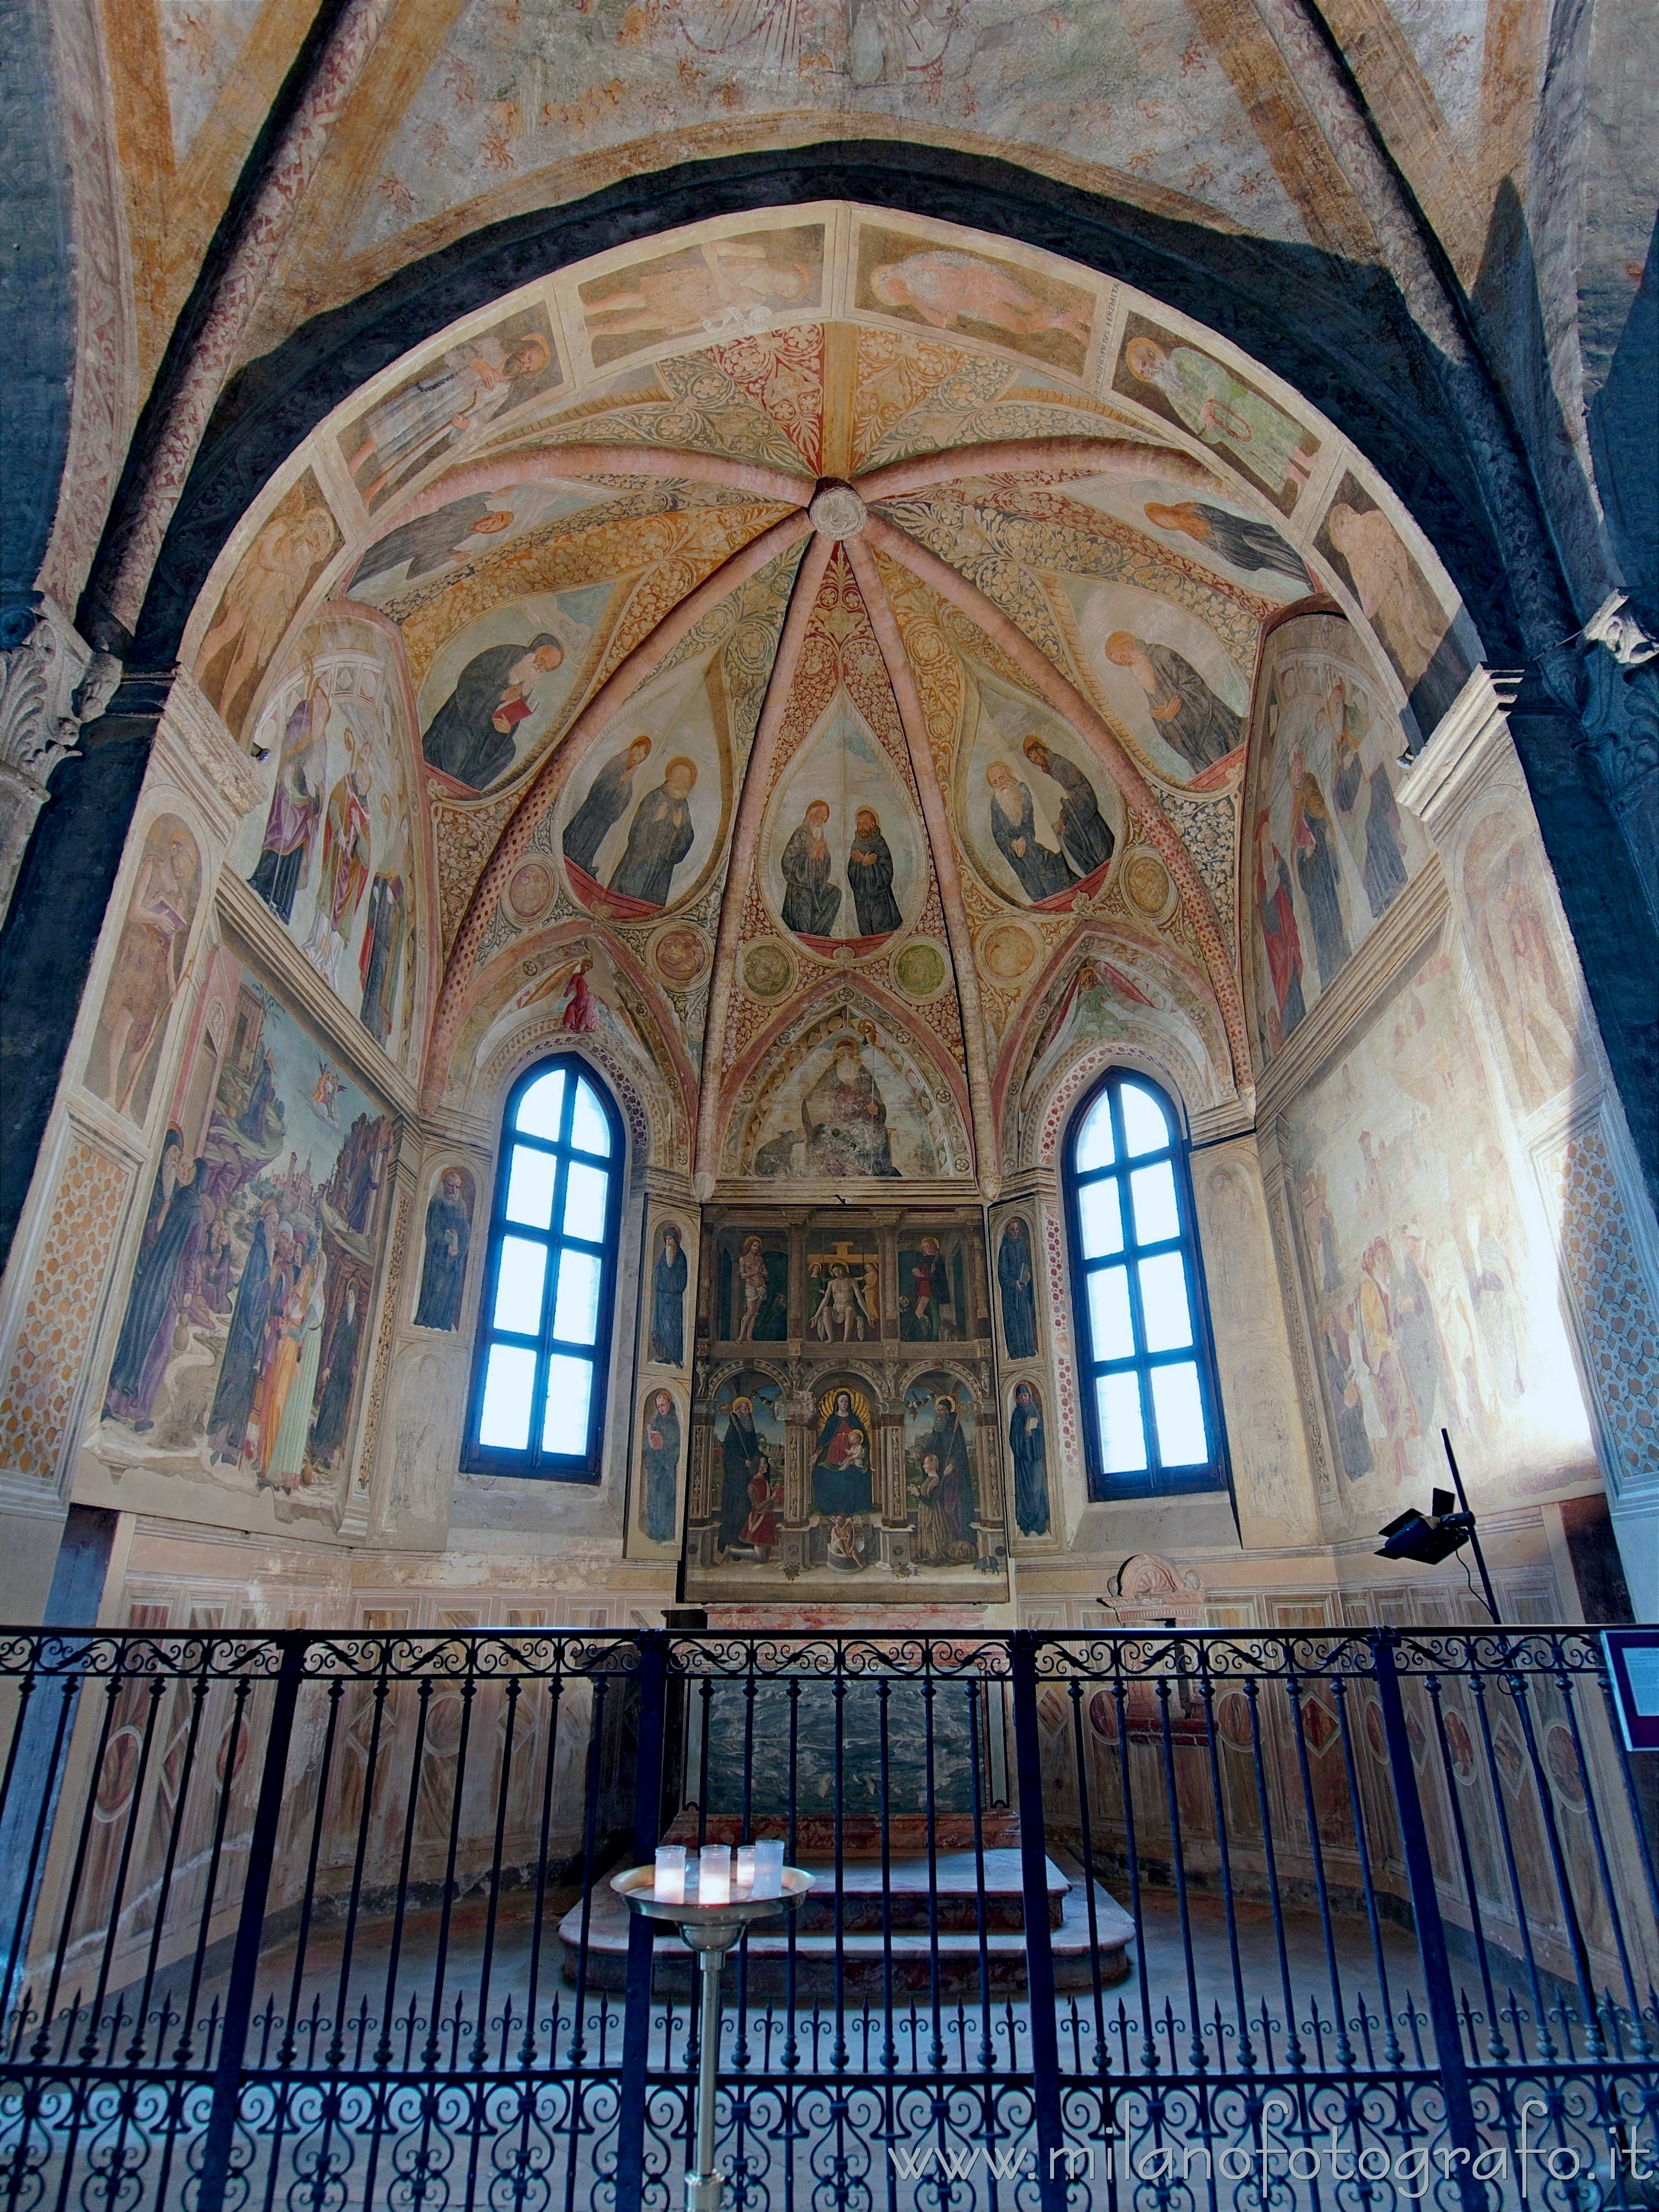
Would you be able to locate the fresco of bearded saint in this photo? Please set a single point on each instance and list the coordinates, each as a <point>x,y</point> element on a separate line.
<point>845,1119</point>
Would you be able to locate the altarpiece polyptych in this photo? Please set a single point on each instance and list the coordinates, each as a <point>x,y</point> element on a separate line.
<point>844,1431</point>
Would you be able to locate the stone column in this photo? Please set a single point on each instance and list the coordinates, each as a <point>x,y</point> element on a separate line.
<point>895,1534</point>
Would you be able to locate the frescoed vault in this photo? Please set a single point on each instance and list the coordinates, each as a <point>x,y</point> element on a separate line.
<point>805,603</point>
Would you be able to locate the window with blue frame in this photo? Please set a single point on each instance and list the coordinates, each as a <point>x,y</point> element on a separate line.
<point>1151,1415</point>
<point>543,1348</point>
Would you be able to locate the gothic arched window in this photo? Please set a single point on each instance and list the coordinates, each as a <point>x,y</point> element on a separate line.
<point>543,1348</point>
<point>1151,1414</point>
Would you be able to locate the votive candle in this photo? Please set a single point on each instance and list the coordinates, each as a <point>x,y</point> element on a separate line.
<point>743,1877</point>
<point>768,1869</point>
<point>669,1882</point>
<point>715,1875</point>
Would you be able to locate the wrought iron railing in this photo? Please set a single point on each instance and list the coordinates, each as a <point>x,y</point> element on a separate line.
<point>1152,1919</point>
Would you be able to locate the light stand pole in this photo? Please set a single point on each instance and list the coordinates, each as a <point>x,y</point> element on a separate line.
<point>710,1931</point>
<point>1466,1514</point>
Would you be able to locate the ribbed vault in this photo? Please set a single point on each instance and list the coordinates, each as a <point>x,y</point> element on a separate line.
<point>771,673</point>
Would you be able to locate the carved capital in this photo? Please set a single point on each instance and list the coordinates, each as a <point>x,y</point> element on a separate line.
<point>40,720</point>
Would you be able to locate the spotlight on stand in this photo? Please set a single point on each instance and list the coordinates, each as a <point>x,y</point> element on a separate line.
<point>1427,1537</point>
<point>1430,1537</point>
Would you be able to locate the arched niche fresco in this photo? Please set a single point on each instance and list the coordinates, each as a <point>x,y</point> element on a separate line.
<point>334,849</point>
<point>641,822</point>
<point>1036,808</point>
<point>1327,848</point>
<point>494,691</point>
<point>1168,679</point>
<point>845,1097</point>
<point>843,855</point>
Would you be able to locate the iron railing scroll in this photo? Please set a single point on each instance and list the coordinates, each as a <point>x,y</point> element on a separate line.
<point>1306,1919</point>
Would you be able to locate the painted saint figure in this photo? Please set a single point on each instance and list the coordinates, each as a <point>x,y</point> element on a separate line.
<point>870,872</point>
<point>658,837</point>
<point>443,1270</point>
<point>270,579</point>
<point>149,965</point>
<point>1014,1279</point>
<point>172,1237</point>
<point>607,801</point>
<point>296,804</point>
<point>1028,1453</point>
<point>285,1462</point>
<point>1085,835</point>
<point>343,877</point>
<point>238,1370</point>
<point>840,1314</point>
<point>757,1286</point>
<point>740,1457</point>
<point>1193,720</point>
<point>759,1530</point>
<point>1042,872</point>
<point>381,954</point>
<point>659,1461</point>
<point>470,737</point>
<point>334,1401</point>
<point>1247,543</point>
<point>1217,407</point>
<point>1317,869</point>
<point>466,388</point>
<point>841,1466</point>
<point>930,1302</point>
<point>668,1280</point>
<point>432,541</point>
<point>948,1444</point>
<point>947,289</point>
<point>1276,915</point>
<point>1390,592</point>
<point>845,1119</point>
<point>810,900</point>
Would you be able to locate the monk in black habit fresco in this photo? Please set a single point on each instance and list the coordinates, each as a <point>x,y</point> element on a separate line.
<point>1085,835</point>
<point>455,532</point>
<point>1189,717</point>
<point>870,872</point>
<point>668,1280</point>
<point>809,899</point>
<point>1248,543</point>
<point>1041,870</point>
<point>470,736</point>
<point>334,1405</point>
<point>606,802</point>
<point>658,837</point>
<point>443,1272</point>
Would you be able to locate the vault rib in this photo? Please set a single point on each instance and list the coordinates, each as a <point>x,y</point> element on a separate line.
<point>745,836</point>
<point>937,823</point>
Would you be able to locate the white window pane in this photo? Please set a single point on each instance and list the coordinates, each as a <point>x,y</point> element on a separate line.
<point>1180,1413</point>
<point>1122,1438</point>
<point>1164,1309</point>
<point>576,1308</point>
<point>1110,1326</point>
<point>1100,1217</point>
<point>584,1202</point>
<point>1094,1139</point>
<point>589,1130</point>
<point>1146,1124</point>
<point>541,1105</point>
<point>509,1383</point>
<point>1153,1190</point>
<point>570,1387</point>
<point>530,1188</point>
<point>518,1285</point>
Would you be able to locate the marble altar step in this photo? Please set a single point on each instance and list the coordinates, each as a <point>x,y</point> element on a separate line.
<point>863,1942</point>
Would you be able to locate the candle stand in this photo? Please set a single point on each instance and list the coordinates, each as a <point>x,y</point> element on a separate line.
<point>710,1930</point>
